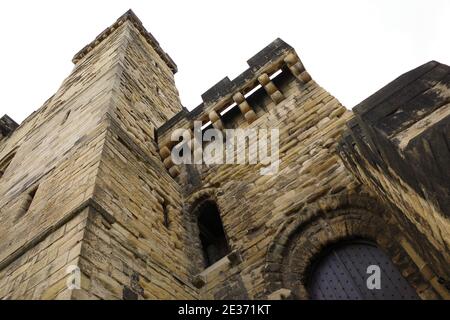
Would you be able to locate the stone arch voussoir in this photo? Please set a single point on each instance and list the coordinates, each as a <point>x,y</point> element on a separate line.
<point>301,239</point>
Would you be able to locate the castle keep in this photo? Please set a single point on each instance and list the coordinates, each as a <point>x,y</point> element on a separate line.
<point>87,182</point>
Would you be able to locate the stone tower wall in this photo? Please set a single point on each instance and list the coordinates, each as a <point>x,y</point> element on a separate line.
<point>87,181</point>
<point>254,206</point>
<point>397,145</point>
<point>102,189</point>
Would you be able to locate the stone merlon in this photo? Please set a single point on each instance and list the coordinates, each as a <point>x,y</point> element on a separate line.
<point>269,60</point>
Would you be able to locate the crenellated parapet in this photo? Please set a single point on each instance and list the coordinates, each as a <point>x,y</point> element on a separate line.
<point>228,94</point>
<point>132,18</point>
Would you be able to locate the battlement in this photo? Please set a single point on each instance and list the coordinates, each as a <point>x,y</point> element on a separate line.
<point>132,18</point>
<point>264,67</point>
<point>268,60</point>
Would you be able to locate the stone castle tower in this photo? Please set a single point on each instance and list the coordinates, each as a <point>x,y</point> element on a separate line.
<point>88,187</point>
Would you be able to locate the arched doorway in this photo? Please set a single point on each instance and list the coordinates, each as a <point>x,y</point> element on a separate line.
<point>304,240</point>
<point>343,270</point>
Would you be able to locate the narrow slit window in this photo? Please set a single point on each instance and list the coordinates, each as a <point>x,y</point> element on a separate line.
<point>27,201</point>
<point>4,164</point>
<point>166,217</point>
<point>66,117</point>
<point>212,233</point>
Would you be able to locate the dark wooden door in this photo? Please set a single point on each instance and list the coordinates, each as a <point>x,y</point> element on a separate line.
<point>342,275</point>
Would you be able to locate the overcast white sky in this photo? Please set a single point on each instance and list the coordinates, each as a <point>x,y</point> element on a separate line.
<point>351,48</point>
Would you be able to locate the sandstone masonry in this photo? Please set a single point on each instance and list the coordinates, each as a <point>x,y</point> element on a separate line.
<point>87,180</point>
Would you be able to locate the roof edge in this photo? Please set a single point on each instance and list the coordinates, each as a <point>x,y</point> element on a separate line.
<point>127,16</point>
